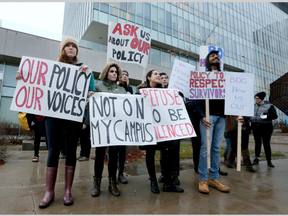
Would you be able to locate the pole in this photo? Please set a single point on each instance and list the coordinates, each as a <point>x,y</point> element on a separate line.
<point>208,133</point>
<point>239,133</point>
<point>143,75</point>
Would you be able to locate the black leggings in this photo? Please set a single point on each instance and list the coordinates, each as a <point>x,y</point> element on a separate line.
<point>39,132</point>
<point>99,161</point>
<point>54,131</point>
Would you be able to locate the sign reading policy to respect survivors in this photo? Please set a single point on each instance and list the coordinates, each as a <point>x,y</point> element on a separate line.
<point>118,119</point>
<point>239,94</point>
<point>128,43</point>
<point>207,85</point>
<point>51,89</point>
<point>180,76</point>
<point>170,117</point>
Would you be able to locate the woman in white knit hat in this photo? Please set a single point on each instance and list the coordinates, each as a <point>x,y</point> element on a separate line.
<point>55,129</point>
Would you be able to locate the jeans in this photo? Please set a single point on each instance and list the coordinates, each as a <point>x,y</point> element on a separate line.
<point>216,137</point>
<point>228,142</point>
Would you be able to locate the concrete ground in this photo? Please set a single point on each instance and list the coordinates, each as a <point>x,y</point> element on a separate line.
<point>22,186</point>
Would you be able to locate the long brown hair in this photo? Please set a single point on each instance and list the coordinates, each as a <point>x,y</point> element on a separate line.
<point>63,58</point>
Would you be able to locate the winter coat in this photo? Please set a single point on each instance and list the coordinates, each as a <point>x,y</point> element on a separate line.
<point>267,109</point>
<point>232,124</point>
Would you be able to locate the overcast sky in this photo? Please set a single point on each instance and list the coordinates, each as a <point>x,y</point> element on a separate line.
<point>41,15</point>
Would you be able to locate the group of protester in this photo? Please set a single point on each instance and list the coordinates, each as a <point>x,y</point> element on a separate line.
<point>115,80</point>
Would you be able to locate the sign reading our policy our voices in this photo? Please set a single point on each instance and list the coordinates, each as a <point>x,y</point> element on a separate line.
<point>170,117</point>
<point>128,43</point>
<point>239,94</point>
<point>51,89</point>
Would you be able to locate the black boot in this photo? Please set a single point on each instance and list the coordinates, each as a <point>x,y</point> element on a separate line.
<point>256,161</point>
<point>176,180</point>
<point>222,172</point>
<point>169,186</point>
<point>97,184</point>
<point>269,163</point>
<point>160,180</point>
<point>154,185</point>
<point>121,178</point>
<point>112,186</point>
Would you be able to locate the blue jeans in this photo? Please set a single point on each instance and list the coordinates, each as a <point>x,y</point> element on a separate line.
<point>216,137</point>
<point>228,142</point>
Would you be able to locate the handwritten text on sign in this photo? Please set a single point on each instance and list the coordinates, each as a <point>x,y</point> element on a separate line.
<point>207,85</point>
<point>180,77</point>
<point>128,43</point>
<point>170,117</point>
<point>51,88</point>
<point>239,94</point>
<point>117,119</point>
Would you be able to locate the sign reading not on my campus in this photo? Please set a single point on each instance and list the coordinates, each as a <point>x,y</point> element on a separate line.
<point>128,43</point>
<point>51,88</point>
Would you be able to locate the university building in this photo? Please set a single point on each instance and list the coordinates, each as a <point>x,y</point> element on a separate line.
<point>253,36</point>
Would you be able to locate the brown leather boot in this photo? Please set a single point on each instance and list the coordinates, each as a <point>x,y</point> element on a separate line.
<point>51,174</point>
<point>247,161</point>
<point>203,186</point>
<point>69,176</point>
<point>229,159</point>
<point>217,184</point>
<point>97,184</point>
<point>112,186</point>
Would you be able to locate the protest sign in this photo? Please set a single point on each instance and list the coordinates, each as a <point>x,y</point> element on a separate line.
<point>180,76</point>
<point>204,50</point>
<point>128,43</point>
<point>170,117</point>
<point>207,85</point>
<point>51,89</point>
<point>239,99</point>
<point>118,119</point>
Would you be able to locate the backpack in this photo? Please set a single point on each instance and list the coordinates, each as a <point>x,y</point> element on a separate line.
<point>27,121</point>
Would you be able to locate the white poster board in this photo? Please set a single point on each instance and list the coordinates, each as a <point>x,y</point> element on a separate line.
<point>239,99</point>
<point>204,50</point>
<point>170,117</point>
<point>128,43</point>
<point>120,119</point>
<point>180,76</point>
<point>207,85</point>
<point>51,88</point>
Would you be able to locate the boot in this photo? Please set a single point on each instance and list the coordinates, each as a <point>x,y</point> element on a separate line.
<point>269,163</point>
<point>169,186</point>
<point>203,186</point>
<point>112,186</point>
<point>225,157</point>
<point>97,184</point>
<point>121,178</point>
<point>69,176</point>
<point>154,185</point>
<point>247,161</point>
<point>229,160</point>
<point>51,174</point>
<point>217,184</point>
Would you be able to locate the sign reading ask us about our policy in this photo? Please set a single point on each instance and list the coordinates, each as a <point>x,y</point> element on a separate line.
<point>51,88</point>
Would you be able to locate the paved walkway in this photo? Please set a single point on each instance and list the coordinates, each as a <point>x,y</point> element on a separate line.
<point>22,186</point>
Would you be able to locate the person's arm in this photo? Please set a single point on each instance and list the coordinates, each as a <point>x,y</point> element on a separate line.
<point>271,115</point>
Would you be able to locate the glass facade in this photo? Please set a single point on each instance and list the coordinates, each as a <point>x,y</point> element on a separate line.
<point>252,34</point>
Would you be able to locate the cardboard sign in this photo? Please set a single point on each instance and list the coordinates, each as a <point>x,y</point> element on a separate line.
<point>128,43</point>
<point>207,85</point>
<point>51,88</point>
<point>204,50</point>
<point>120,119</point>
<point>239,94</point>
<point>170,117</point>
<point>180,77</point>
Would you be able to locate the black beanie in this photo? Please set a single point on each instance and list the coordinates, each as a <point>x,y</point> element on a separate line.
<point>261,95</point>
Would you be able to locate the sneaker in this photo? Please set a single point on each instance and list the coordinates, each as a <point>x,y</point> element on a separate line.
<point>256,161</point>
<point>83,159</point>
<point>218,185</point>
